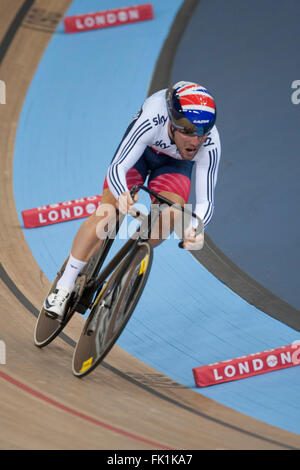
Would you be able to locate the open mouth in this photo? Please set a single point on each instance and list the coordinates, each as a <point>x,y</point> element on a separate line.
<point>190,150</point>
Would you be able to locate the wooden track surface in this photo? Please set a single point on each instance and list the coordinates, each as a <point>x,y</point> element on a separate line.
<point>124,404</point>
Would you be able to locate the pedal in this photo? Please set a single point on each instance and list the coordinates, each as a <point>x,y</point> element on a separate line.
<point>84,303</point>
<point>81,308</point>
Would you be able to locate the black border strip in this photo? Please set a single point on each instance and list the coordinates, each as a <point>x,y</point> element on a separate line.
<point>176,31</point>
<point>211,257</point>
<point>13,28</point>
<point>161,75</point>
<point>215,261</point>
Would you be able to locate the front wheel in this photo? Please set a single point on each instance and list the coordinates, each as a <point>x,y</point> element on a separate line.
<point>112,310</point>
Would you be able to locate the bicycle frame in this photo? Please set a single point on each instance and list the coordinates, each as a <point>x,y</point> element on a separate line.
<point>132,242</point>
<point>90,282</point>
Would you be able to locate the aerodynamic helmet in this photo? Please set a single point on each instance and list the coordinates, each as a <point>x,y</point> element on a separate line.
<point>191,108</point>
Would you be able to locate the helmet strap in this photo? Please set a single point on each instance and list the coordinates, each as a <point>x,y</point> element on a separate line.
<point>172,136</point>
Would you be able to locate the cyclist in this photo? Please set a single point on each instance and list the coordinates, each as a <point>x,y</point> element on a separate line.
<point>173,131</point>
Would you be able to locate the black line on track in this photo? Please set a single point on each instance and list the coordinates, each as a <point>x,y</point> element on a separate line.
<point>177,30</point>
<point>211,257</point>
<point>13,28</point>
<point>215,261</point>
<point>163,67</point>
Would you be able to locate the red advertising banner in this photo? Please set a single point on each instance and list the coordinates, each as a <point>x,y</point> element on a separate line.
<point>248,366</point>
<point>60,212</point>
<point>108,18</point>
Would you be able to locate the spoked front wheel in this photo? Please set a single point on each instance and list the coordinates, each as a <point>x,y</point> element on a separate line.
<point>112,309</point>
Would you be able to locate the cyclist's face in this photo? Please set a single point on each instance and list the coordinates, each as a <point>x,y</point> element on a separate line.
<point>188,144</point>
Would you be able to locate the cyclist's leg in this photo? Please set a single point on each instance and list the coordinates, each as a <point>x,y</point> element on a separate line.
<point>94,229</point>
<point>88,240</point>
<point>168,219</point>
<point>172,181</point>
<point>85,243</point>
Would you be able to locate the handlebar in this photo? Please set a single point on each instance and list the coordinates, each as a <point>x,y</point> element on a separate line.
<point>164,200</point>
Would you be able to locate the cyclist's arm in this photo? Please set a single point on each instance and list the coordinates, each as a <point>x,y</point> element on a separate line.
<point>207,166</point>
<point>139,134</point>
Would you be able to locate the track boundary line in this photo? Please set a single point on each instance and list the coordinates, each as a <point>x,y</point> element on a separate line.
<point>76,413</point>
<point>13,28</point>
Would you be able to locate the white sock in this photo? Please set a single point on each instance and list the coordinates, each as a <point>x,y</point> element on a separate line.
<point>70,274</point>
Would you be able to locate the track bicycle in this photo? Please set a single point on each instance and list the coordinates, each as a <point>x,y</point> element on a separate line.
<point>111,293</point>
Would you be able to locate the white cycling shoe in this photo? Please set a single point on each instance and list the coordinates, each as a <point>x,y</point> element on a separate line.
<point>56,303</point>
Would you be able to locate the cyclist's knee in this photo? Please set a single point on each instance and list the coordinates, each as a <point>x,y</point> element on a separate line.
<point>104,219</point>
<point>108,197</point>
<point>176,198</point>
<point>169,214</point>
<point>168,219</point>
<point>106,209</point>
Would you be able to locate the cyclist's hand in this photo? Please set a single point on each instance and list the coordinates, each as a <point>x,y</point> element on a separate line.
<point>192,241</point>
<point>125,202</point>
